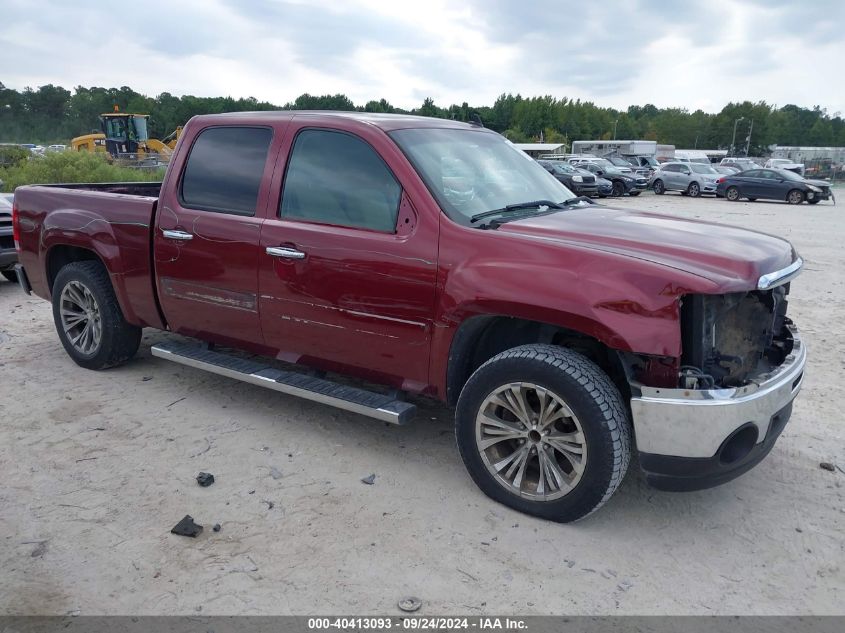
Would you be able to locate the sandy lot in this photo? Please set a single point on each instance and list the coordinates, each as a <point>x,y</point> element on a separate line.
<point>96,467</point>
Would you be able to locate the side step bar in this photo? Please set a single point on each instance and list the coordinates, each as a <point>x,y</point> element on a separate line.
<point>369,403</point>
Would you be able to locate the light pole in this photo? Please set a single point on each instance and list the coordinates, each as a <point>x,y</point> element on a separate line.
<point>733,138</point>
<point>614,128</point>
<point>748,138</point>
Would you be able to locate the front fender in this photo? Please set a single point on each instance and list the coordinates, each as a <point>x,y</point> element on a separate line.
<point>626,303</point>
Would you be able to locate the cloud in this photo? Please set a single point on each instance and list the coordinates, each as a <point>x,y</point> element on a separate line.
<point>697,54</point>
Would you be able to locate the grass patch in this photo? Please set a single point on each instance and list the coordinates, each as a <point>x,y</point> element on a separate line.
<point>62,167</point>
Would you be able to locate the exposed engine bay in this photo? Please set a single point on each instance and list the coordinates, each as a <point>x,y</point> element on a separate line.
<point>728,339</point>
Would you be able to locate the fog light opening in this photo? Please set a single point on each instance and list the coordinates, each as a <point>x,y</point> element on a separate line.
<point>738,445</point>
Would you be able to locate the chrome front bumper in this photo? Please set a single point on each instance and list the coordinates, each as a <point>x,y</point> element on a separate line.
<point>694,423</point>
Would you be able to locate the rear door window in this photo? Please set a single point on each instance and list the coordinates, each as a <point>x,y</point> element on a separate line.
<point>225,168</point>
<point>337,178</point>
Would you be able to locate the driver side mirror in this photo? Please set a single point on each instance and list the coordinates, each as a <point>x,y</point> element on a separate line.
<point>599,173</point>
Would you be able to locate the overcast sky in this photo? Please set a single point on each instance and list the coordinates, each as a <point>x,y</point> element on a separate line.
<point>692,54</point>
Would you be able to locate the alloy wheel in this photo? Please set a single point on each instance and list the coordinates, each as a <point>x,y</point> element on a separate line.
<point>80,316</point>
<point>531,441</point>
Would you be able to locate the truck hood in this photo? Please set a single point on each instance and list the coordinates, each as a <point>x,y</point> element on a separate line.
<point>732,257</point>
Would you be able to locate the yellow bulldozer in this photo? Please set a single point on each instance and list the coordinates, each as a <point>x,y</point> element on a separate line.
<point>124,137</point>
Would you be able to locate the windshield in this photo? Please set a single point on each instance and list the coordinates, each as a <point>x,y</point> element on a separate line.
<point>788,175</point>
<point>702,169</point>
<point>651,161</point>
<point>140,128</point>
<point>619,161</point>
<point>474,171</point>
<point>563,168</point>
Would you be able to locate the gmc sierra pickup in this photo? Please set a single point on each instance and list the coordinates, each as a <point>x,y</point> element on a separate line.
<point>431,257</point>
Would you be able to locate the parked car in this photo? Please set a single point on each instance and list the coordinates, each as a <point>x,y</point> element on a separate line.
<point>526,309</point>
<point>579,181</point>
<point>785,163</point>
<point>741,163</point>
<point>692,179</point>
<point>645,165</point>
<point>56,148</point>
<point>604,187</point>
<point>773,184</point>
<point>623,163</point>
<point>8,255</point>
<point>621,183</point>
<point>620,163</point>
<point>727,169</point>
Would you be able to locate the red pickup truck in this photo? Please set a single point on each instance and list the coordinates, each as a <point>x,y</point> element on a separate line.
<point>431,257</point>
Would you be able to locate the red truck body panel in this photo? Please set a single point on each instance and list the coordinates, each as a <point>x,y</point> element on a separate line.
<point>386,307</point>
<point>116,227</point>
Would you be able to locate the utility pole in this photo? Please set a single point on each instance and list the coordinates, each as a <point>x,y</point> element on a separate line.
<point>733,138</point>
<point>748,138</point>
<point>614,128</point>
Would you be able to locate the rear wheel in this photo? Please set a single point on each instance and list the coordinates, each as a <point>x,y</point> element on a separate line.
<point>10,275</point>
<point>752,199</point>
<point>694,190</point>
<point>618,189</point>
<point>88,318</point>
<point>543,430</point>
<point>795,196</point>
<point>659,187</point>
<point>732,194</point>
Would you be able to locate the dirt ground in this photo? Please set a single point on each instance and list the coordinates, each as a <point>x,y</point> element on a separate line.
<point>96,467</point>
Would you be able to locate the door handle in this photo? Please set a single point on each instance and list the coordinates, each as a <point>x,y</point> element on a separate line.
<point>283,251</point>
<point>176,235</point>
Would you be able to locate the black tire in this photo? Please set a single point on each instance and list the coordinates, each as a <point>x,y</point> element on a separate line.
<point>816,201</point>
<point>10,275</point>
<point>591,397</point>
<point>618,189</point>
<point>119,340</point>
<point>694,190</point>
<point>659,187</point>
<point>752,199</point>
<point>634,193</point>
<point>732,194</point>
<point>795,196</point>
<point>602,195</point>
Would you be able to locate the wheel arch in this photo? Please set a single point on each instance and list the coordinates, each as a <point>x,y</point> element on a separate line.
<point>60,255</point>
<point>481,337</point>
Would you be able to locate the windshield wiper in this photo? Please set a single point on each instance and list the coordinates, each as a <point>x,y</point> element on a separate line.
<point>517,207</point>
<point>576,200</point>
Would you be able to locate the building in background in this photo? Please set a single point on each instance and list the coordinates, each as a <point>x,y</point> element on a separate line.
<point>819,162</point>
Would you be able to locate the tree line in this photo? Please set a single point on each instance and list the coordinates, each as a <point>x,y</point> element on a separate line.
<point>52,114</point>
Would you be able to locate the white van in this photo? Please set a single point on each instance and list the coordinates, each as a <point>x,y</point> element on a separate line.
<point>691,156</point>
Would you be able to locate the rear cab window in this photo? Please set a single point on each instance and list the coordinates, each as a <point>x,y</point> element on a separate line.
<point>224,170</point>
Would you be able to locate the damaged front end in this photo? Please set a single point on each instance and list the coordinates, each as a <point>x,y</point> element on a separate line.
<point>741,366</point>
<point>729,339</point>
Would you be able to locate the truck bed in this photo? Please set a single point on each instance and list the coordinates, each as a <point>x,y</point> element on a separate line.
<point>112,221</point>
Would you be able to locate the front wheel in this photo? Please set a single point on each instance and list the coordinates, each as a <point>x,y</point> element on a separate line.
<point>816,201</point>
<point>88,318</point>
<point>634,193</point>
<point>618,189</point>
<point>543,430</point>
<point>732,194</point>
<point>795,197</point>
<point>694,190</point>
<point>659,187</point>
